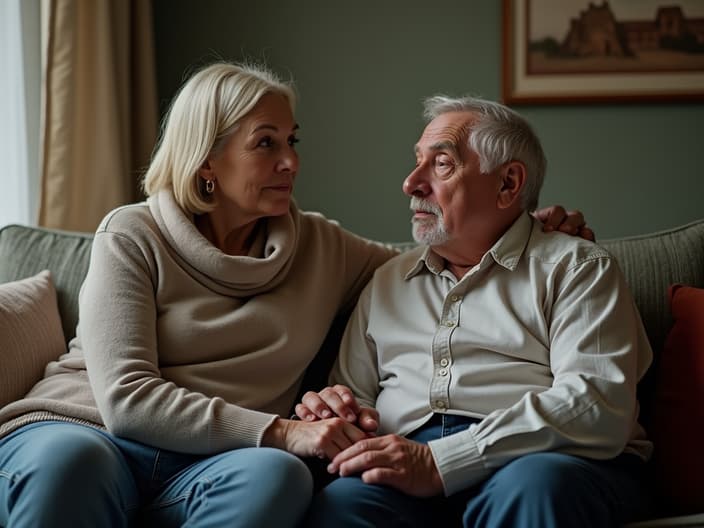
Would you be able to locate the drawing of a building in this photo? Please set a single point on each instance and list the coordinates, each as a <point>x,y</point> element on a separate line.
<point>596,32</point>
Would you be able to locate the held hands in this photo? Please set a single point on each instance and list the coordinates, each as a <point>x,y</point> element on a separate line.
<point>556,218</point>
<point>391,460</point>
<point>337,400</point>
<point>388,460</point>
<point>332,422</point>
<point>322,439</point>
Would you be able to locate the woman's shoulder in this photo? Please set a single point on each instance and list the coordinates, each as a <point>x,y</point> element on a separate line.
<point>126,217</point>
<point>132,221</point>
<point>317,225</point>
<point>314,218</point>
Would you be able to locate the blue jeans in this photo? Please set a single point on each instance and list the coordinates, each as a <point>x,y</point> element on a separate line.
<point>55,474</point>
<point>541,490</point>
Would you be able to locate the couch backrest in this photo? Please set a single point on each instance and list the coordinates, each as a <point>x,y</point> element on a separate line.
<point>650,263</point>
<point>25,251</point>
<point>654,261</point>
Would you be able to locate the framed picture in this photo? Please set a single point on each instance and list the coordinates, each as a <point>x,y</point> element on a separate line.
<point>564,51</point>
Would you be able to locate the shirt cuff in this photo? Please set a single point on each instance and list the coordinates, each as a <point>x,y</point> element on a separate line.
<point>458,461</point>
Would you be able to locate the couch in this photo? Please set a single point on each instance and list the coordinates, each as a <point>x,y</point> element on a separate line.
<point>650,262</point>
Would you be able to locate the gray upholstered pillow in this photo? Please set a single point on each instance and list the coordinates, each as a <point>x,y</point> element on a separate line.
<point>30,334</point>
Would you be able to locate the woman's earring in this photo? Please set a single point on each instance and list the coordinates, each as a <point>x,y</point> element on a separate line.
<point>210,186</point>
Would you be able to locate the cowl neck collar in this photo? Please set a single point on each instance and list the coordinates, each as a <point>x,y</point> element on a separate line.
<point>265,267</point>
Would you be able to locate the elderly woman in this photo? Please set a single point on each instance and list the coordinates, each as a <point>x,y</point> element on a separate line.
<point>200,312</point>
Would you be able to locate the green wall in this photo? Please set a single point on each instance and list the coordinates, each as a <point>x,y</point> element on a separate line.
<point>362,69</point>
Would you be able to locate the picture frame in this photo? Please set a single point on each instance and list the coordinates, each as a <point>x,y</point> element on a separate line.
<point>581,51</point>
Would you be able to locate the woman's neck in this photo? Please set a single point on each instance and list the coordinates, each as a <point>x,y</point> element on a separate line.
<point>230,240</point>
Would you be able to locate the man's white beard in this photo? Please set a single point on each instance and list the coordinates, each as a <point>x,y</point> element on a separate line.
<point>430,230</point>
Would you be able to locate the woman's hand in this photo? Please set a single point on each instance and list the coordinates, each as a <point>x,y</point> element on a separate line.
<point>321,438</point>
<point>337,400</point>
<point>556,218</point>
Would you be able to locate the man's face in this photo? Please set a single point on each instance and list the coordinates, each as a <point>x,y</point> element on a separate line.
<point>449,194</point>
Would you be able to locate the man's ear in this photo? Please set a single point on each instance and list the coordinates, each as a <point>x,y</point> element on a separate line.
<point>513,178</point>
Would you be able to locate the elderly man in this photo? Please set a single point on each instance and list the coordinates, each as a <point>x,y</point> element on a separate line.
<point>495,366</point>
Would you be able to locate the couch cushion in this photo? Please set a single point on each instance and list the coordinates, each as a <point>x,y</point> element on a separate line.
<point>30,334</point>
<point>678,430</point>
<point>24,251</point>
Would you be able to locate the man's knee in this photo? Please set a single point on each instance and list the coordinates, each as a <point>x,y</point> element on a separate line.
<point>542,490</point>
<point>349,502</point>
<point>346,501</point>
<point>538,474</point>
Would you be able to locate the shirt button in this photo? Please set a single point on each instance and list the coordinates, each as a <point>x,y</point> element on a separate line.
<point>442,372</point>
<point>449,324</point>
<point>444,362</point>
<point>440,404</point>
<point>455,298</point>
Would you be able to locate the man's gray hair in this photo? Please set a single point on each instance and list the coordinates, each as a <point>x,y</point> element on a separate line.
<point>499,135</point>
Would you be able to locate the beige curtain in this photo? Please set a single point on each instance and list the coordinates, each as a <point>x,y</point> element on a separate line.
<point>99,112</point>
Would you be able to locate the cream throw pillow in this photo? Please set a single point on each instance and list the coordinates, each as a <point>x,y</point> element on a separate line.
<point>30,334</point>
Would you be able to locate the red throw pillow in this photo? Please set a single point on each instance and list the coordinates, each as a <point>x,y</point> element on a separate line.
<point>678,430</point>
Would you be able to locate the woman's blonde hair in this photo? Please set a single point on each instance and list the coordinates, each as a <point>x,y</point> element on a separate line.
<point>201,119</point>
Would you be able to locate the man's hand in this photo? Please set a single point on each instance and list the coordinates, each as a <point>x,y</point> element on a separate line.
<point>394,461</point>
<point>322,439</point>
<point>337,400</point>
<point>556,218</point>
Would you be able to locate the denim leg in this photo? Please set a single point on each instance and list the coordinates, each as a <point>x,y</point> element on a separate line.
<point>542,490</point>
<point>55,474</point>
<point>348,502</point>
<point>552,490</point>
<point>249,487</point>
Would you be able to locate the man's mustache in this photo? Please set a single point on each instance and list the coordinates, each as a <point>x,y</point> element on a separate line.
<point>419,204</point>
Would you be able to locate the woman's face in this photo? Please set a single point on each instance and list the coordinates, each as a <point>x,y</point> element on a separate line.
<point>255,170</point>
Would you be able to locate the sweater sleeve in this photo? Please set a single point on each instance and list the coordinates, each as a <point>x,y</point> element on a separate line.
<point>118,333</point>
<point>598,352</point>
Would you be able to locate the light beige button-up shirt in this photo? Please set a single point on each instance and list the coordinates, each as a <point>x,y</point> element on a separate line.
<point>541,341</point>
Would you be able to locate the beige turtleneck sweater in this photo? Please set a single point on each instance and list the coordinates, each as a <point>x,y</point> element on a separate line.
<point>185,348</point>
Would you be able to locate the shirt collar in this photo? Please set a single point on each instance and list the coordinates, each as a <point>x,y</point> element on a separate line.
<point>429,260</point>
<point>506,251</point>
